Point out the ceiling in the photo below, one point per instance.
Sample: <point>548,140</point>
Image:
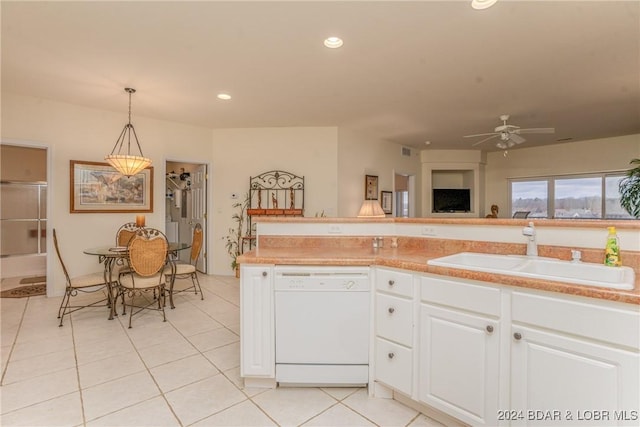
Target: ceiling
<point>408,72</point>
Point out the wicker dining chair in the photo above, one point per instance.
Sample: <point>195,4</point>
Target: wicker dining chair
<point>147,254</point>
<point>182,270</point>
<point>80,285</point>
<point>125,233</point>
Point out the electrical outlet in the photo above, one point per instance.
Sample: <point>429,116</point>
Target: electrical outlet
<point>428,231</point>
<point>335,229</point>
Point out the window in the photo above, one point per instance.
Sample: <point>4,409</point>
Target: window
<point>592,196</point>
<point>530,196</point>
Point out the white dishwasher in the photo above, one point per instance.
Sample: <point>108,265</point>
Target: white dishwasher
<point>322,325</point>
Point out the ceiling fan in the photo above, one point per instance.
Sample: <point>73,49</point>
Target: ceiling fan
<point>509,134</point>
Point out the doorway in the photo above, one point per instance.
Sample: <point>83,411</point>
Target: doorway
<point>23,214</point>
<point>186,206</point>
<point>404,189</point>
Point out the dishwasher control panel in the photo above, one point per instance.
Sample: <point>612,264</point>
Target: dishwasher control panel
<point>291,278</point>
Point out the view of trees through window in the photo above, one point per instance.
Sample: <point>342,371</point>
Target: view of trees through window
<point>569,197</point>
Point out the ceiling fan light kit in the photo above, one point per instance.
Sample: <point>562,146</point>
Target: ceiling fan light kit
<point>509,134</point>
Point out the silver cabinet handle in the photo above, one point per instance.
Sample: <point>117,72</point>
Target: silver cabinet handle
<point>392,282</point>
<point>391,310</point>
<point>391,355</point>
<point>517,336</point>
<point>489,328</point>
<point>264,274</point>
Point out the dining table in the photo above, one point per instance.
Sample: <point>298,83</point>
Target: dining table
<point>109,255</point>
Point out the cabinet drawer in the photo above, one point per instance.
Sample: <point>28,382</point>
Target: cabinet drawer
<point>394,365</point>
<point>617,325</point>
<point>394,282</point>
<point>461,295</point>
<point>394,319</point>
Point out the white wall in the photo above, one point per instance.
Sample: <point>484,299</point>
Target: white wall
<point>79,133</point>
<point>597,155</point>
<point>359,155</point>
<point>238,154</point>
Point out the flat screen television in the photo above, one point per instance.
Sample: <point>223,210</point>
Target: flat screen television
<point>451,200</point>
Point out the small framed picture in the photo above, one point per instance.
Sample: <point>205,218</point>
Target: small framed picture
<point>370,187</point>
<point>387,201</point>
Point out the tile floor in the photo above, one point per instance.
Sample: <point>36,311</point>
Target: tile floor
<point>185,372</point>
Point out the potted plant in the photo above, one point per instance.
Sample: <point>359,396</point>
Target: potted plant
<point>630,190</point>
<point>234,238</point>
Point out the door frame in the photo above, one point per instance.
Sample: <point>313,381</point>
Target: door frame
<point>207,235</point>
<point>50,191</point>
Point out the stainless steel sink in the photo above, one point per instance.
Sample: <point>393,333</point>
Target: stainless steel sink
<point>580,273</point>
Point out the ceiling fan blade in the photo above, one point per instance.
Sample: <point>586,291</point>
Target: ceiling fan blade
<point>481,134</point>
<point>535,130</point>
<point>483,140</point>
<point>516,138</point>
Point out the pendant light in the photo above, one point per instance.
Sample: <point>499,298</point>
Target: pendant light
<point>127,164</point>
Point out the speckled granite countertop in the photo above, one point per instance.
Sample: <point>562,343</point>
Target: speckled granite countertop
<point>415,259</point>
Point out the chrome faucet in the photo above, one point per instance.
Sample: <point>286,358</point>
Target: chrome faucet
<point>532,246</point>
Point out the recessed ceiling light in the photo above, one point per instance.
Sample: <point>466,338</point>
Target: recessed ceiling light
<point>224,96</point>
<point>333,42</point>
<point>482,4</point>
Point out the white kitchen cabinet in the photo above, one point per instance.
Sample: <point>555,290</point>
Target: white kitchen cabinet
<point>573,362</point>
<point>460,349</point>
<point>257,330</point>
<point>394,316</point>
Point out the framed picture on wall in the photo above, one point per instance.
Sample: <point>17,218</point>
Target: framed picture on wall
<point>386,198</point>
<point>98,188</point>
<point>370,187</point>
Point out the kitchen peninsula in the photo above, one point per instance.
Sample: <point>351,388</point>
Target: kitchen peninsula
<point>509,340</point>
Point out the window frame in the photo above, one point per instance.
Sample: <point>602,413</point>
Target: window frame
<point>551,181</point>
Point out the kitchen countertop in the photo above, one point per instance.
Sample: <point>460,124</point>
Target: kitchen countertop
<point>414,259</point>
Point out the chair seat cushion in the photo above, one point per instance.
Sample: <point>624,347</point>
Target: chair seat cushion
<point>181,268</point>
<point>136,281</point>
<point>91,279</point>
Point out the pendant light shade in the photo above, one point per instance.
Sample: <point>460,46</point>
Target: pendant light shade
<point>126,163</point>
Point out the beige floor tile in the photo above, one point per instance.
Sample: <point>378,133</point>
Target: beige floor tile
<point>233,375</point>
<point>244,414</point>
<point>60,411</point>
<point>26,350</point>
<point>190,320</point>
<point>36,366</point>
<point>383,412</point>
<point>293,406</point>
<point>22,394</point>
<point>109,369</point>
<point>165,352</point>
<point>204,398</point>
<point>115,395</point>
<point>94,351</point>
<point>154,412</point>
<point>424,421</point>
<point>213,339</point>
<point>225,357</point>
<point>179,373</point>
<point>339,415</point>
<point>340,393</point>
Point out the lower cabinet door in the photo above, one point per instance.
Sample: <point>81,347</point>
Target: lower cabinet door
<point>558,379</point>
<point>459,364</point>
<point>394,364</point>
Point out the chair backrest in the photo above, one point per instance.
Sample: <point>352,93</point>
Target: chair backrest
<point>125,233</point>
<point>64,268</point>
<point>521,214</point>
<point>147,251</point>
<point>196,243</point>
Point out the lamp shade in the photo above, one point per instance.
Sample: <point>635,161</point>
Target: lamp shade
<point>128,165</point>
<point>371,209</point>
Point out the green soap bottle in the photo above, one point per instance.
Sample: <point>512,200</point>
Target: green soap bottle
<point>612,249</point>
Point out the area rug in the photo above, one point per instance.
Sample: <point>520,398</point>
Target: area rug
<point>25,291</point>
<point>36,279</point>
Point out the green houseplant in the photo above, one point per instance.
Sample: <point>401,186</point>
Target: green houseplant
<point>234,238</point>
<point>630,190</point>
